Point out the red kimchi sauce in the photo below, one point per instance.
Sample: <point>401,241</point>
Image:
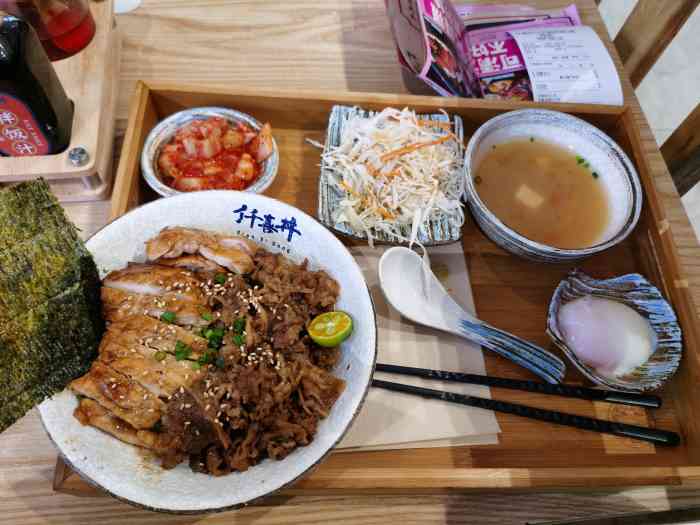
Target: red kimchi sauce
<point>214,153</point>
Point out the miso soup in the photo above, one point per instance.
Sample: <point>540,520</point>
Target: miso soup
<point>544,192</point>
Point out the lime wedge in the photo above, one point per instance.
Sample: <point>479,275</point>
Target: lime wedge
<point>330,329</point>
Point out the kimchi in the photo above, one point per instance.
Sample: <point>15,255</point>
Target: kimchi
<point>214,153</point>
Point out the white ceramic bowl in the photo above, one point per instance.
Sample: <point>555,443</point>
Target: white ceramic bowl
<point>617,174</point>
<point>161,134</point>
<point>121,469</point>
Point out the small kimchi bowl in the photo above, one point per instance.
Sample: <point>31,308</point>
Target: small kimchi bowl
<point>618,175</point>
<point>166,129</point>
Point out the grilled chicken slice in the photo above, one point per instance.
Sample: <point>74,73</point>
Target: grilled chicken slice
<point>154,279</point>
<point>144,330</point>
<point>118,305</point>
<point>122,396</point>
<point>161,377</point>
<point>91,413</point>
<point>234,253</point>
<point>194,263</point>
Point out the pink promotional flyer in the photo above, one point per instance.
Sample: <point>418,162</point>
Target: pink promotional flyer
<point>478,51</point>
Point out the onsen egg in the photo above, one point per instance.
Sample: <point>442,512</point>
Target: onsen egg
<point>606,335</point>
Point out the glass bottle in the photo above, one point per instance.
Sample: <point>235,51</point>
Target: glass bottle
<point>36,116</point>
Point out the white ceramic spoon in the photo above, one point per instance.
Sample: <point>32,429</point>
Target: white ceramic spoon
<point>418,295</point>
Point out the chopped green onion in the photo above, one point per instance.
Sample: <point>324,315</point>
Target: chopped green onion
<point>182,351</point>
<point>196,366</point>
<point>586,165</point>
<point>238,340</point>
<point>207,316</point>
<point>532,139</point>
<point>595,175</point>
<point>220,362</point>
<point>215,343</point>
<point>158,427</point>
<point>239,325</point>
<point>208,333</point>
<point>167,317</point>
<point>220,278</point>
<point>580,160</point>
<point>159,356</point>
<point>218,332</point>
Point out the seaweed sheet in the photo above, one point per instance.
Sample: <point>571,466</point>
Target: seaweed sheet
<point>50,319</point>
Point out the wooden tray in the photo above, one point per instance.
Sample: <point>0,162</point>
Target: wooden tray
<point>509,292</point>
<point>89,79</point>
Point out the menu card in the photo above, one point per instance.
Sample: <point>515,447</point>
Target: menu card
<point>392,420</point>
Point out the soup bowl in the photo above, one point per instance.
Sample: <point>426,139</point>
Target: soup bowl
<point>616,173</point>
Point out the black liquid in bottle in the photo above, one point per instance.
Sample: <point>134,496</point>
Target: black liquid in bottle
<point>35,114</point>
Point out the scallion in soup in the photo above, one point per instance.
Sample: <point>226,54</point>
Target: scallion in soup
<point>544,192</point>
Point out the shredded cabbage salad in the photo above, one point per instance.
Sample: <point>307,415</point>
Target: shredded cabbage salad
<point>396,170</point>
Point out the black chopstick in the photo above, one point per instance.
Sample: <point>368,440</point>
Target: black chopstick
<point>578,392</point>
<point>651,435</point>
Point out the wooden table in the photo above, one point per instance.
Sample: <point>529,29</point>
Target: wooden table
<point>321,44</point>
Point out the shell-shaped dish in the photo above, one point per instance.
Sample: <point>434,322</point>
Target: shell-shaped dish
<point>636,292</point>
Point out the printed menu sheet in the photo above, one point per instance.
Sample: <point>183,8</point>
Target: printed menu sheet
<point>569,64</point>
<point>391,420</point>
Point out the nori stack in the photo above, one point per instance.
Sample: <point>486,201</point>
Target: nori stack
<point>50,313</point>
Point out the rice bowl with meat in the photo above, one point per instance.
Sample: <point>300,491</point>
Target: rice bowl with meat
<point>193,398</point>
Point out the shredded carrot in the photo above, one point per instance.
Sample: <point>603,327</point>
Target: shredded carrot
<point>372,170</point>
<point>386,214</point>
<point>432,124</point>
<point>347,188</point>
<point>413,147</point>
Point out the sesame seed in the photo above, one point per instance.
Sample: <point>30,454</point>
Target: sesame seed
<point>151,409</point>
<point>188,405</point>
<point>188,423</point>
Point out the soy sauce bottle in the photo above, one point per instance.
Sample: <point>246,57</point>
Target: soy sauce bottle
<point>36,116</point>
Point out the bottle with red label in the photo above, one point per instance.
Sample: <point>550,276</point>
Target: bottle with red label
<point>36,116</point>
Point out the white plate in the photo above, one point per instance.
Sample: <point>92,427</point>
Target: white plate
<point>121,469</point>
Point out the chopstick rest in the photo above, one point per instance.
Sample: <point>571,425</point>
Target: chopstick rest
<point>651,435</point>
<point>576,392</point>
